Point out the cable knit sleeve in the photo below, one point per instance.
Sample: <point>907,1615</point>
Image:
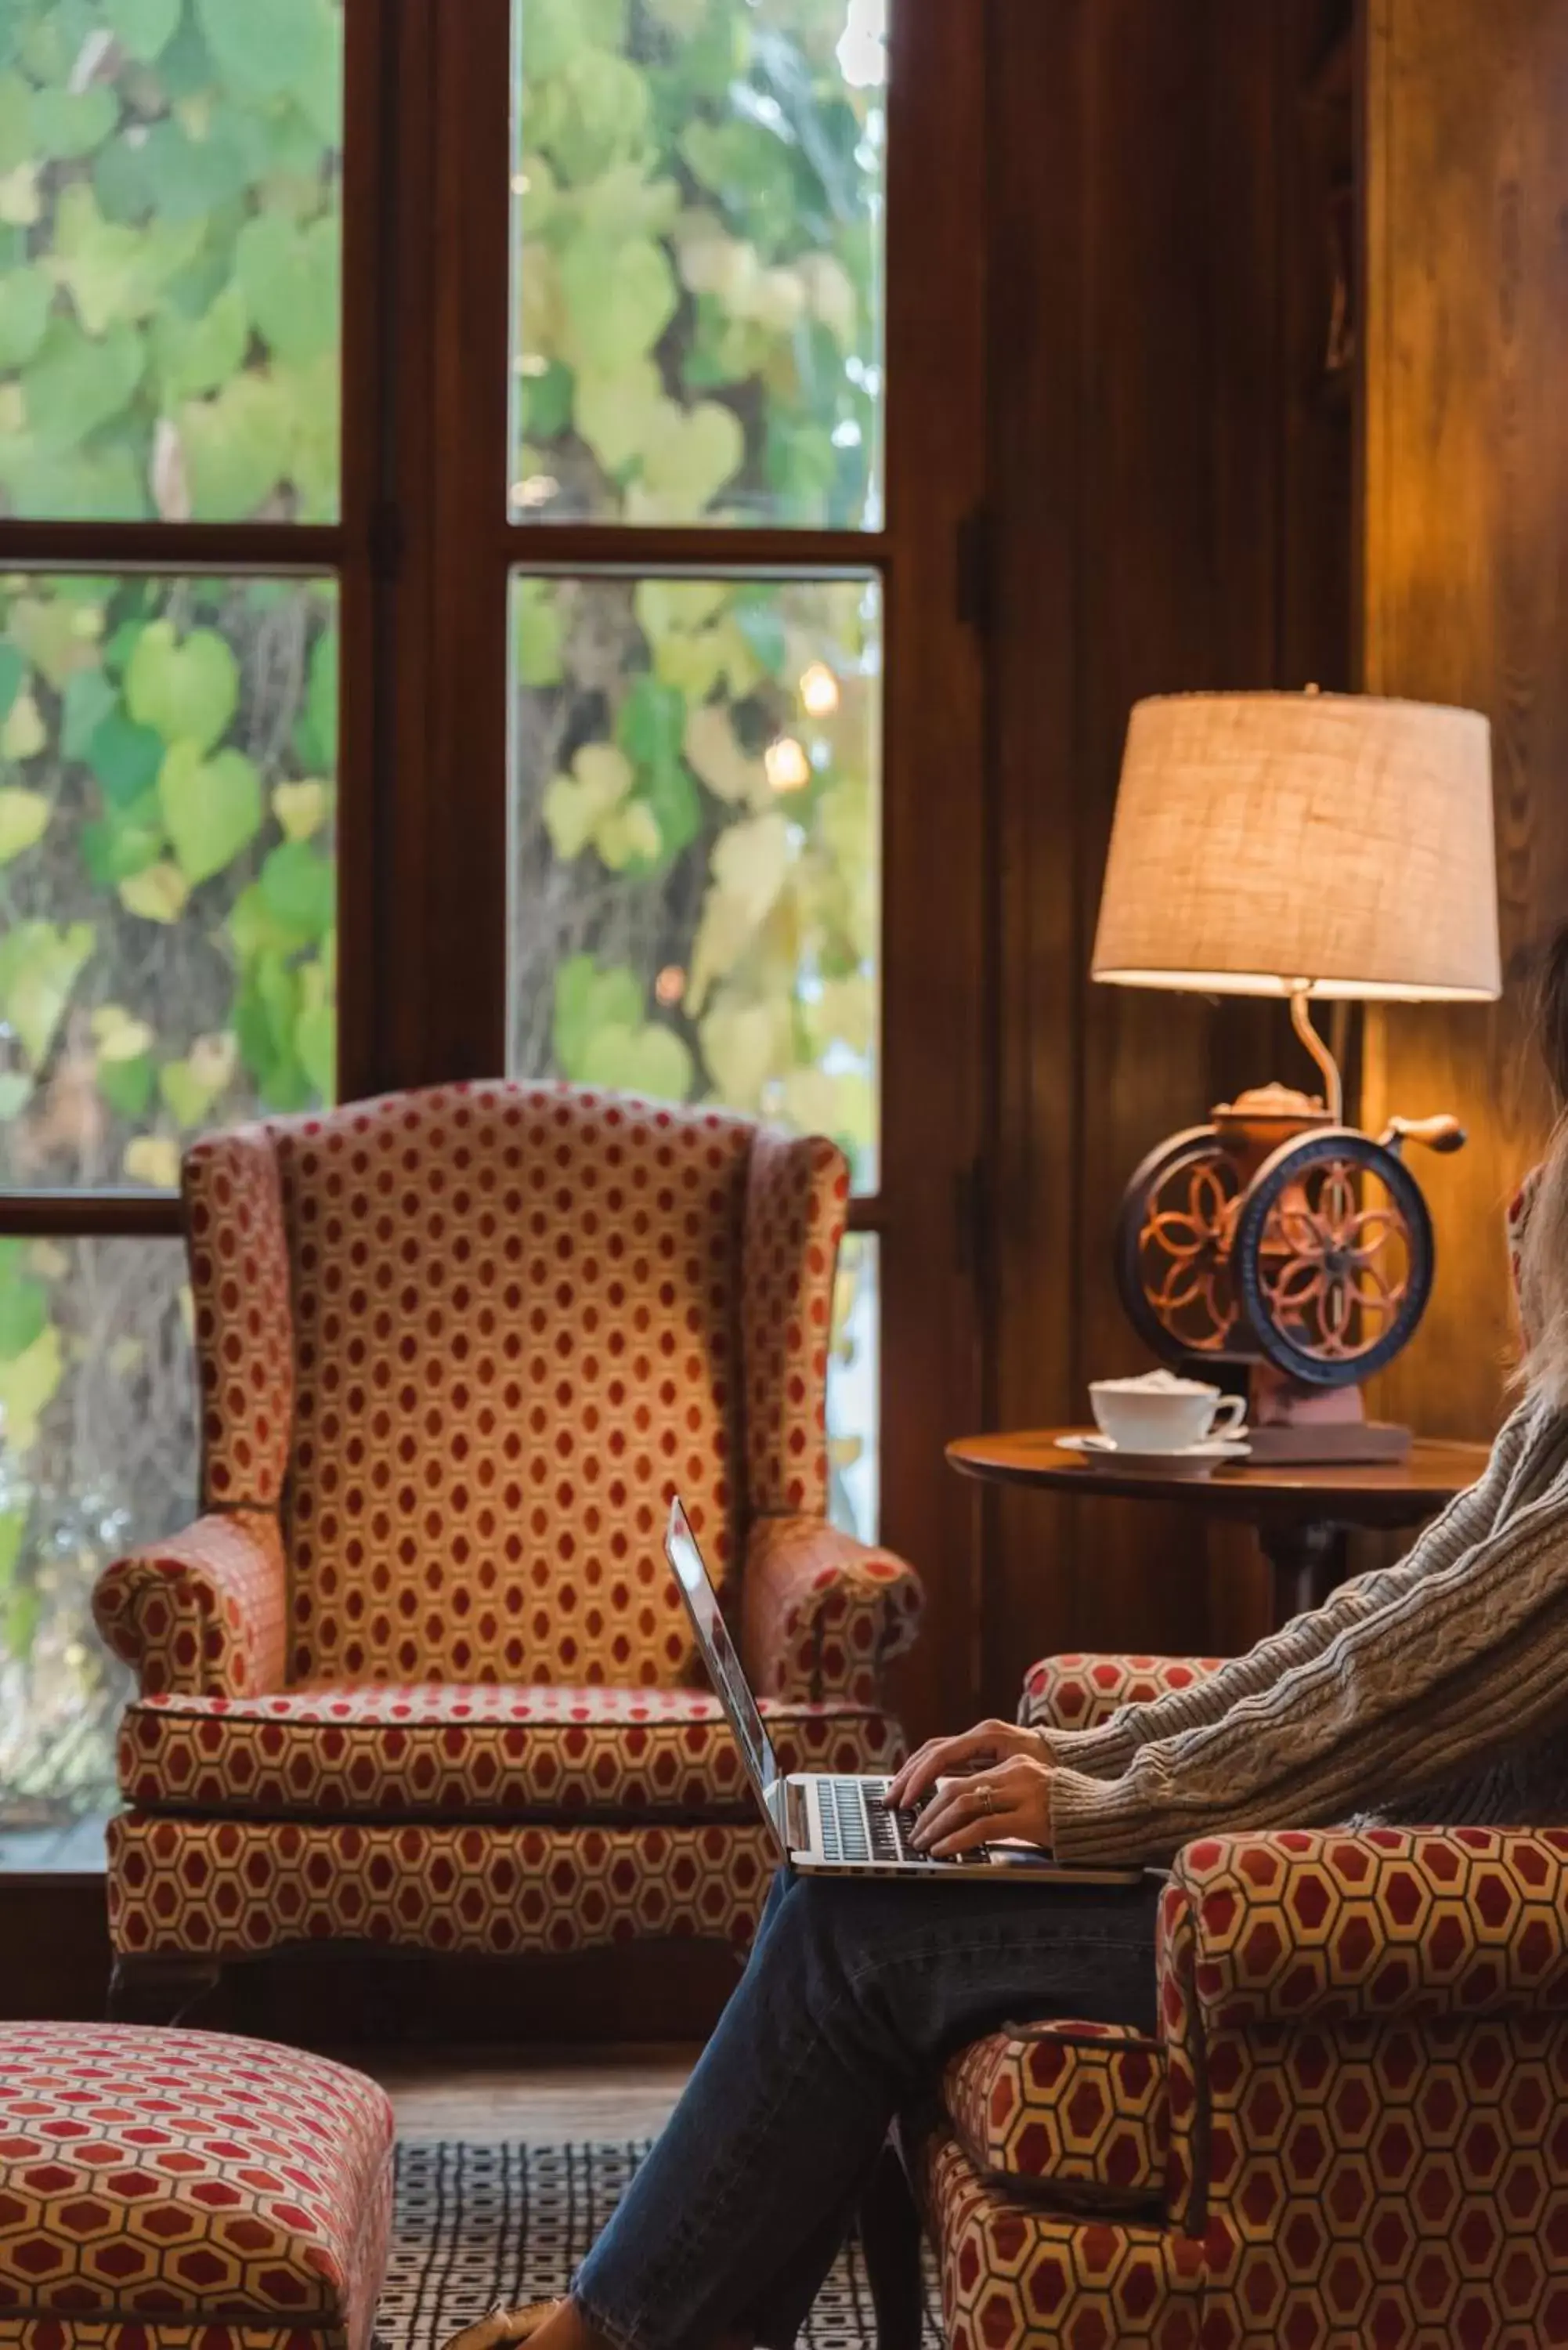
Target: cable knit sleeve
<point>1109,1750</point>
<point>1435,1666</point>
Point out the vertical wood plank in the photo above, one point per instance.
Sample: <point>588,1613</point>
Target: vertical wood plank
<point>1465,557</point>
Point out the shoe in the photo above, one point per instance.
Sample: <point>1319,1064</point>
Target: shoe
<point>503,2326</point>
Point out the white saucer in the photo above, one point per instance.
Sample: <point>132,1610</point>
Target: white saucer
<point>1190,1460</point>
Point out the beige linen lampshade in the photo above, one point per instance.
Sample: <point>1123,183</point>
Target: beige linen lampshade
<point>1265,840</point>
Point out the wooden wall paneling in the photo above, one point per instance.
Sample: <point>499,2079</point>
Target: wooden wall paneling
<point>1165,521</point>
<point>1465,585</point>
<point>1038,431</point>
<point>934,946</point>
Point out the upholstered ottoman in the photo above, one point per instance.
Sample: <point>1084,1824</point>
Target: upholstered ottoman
<point>183,2190</point>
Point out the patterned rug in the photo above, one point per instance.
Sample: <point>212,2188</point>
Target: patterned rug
<point>476,2223</point>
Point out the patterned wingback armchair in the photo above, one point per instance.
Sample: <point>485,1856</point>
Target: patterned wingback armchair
<point>419,1674</point>
<point>1351,2125</point>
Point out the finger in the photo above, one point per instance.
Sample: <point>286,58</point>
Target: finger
<point>944,1812</point>
<point>899,1784</point>
<point>940,1756</point>
<point>985,1829</point>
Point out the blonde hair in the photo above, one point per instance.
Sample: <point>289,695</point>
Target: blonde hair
<point>1543,1277</point>
<point>1543,1242</point>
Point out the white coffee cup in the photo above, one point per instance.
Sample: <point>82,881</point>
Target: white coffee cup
<point>1161,1413</point>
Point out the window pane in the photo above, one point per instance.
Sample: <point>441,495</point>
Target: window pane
<point>167,869</point>
<point>697,844</point>
<point>697,223</point>
<point>170,258</point>
<point>98,1450</point>
<point>854,1392</point>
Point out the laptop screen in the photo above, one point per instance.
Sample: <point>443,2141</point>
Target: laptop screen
<point>718,1649</point>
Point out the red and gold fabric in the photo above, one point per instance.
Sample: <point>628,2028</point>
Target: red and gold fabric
<point>230,1888</point>
<point>175,2186</point>
<point>1015,2277</point>
<point>491,1751</point>
<point>1076,2112</point>
<point>458,1351</point>
<point>203,1612</point>
<point>1366,2063</point>
<point>1079,1693</point>
<point>822,1614</point>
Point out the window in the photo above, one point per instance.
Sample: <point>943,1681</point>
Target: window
<point>599,704</point>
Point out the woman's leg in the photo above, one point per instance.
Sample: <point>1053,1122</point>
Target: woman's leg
<point>856,1992</point>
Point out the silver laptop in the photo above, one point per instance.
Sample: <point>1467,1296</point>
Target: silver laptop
<point>823,1824</point>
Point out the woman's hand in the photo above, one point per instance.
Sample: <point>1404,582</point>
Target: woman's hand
<point>941,1758</point>
<point>1012,1799</point>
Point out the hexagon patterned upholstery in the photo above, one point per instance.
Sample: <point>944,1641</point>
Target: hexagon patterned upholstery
<point>1354,2128</point>
<point>457,1351</point>
<point>168,2191</point>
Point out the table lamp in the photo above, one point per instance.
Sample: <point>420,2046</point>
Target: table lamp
<point>1305,845</point>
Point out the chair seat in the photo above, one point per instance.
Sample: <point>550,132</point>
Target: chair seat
<point>1077,2114</point>
<point>182,2177</point>
<point>473,1751</point>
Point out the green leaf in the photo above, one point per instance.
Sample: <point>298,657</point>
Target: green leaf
<point>538,634</point>
<point>24,1311</point>
<point>88,699</point>
<point>39,966</point>
<point>645,1060</point>
<point>189,178</point>
<point>261,51</point>
<point>142,27</point>
<point>549,402</point>
<point>24,298</point>
<point>299,889</point>
<point>315,735</point>
<point>292,280</point>
<point>24,819</point>
<point>125,758</point>
<point>13,670</point>
<point>15,122</point>
<point>212,807</point>
<point>114,274</point>
<point>69,123</point>
<point>187,692</point>
<point>587,999</point>
<point>236,449</point>
<point>28,1386</point>
<point>77,381</point>
<point>316,1043</point>
<point>196,355</point>
<point>620,299</point>
<point>13,1524</point>
<point>761,624</point>
<point>127,1086</point>
<point>652,723</point>
<point>116,847</point>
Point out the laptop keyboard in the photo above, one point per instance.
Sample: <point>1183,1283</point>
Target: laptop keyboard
<point>858,1824</point>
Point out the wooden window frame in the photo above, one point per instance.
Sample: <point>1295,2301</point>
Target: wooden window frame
<point>423,552</point>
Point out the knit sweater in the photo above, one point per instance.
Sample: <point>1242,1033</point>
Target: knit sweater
<point>1433,1692</point>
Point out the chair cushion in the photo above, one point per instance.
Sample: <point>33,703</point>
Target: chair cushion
<point>1079,2113</point>
<point>476,1751</point>
<point>189,2176</point>
<point>517,1328</point>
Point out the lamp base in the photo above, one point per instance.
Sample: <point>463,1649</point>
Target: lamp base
<point>1364,1441</point>
<point>1316,1427</point>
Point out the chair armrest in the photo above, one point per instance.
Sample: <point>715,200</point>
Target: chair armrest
<point>1077,2113</point>
<point>201,1614</point>
<point>1079,1693</point>
<point>1331,1926</point>
<point>821,1614</point>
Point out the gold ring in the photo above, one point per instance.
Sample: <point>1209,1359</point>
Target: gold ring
<point>986,1796</point>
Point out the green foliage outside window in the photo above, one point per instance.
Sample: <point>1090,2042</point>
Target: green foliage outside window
<point>170,258</point>
<point>698,262</point>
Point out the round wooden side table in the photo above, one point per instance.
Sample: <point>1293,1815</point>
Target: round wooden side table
<point>1303,1515</point>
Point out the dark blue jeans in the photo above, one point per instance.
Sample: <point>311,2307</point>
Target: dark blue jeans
<point>855,1992</point>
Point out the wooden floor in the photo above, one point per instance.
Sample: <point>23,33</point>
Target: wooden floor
<point>606,2093</point>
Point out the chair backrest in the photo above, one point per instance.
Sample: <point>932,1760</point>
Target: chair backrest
<point>514,1325</point>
